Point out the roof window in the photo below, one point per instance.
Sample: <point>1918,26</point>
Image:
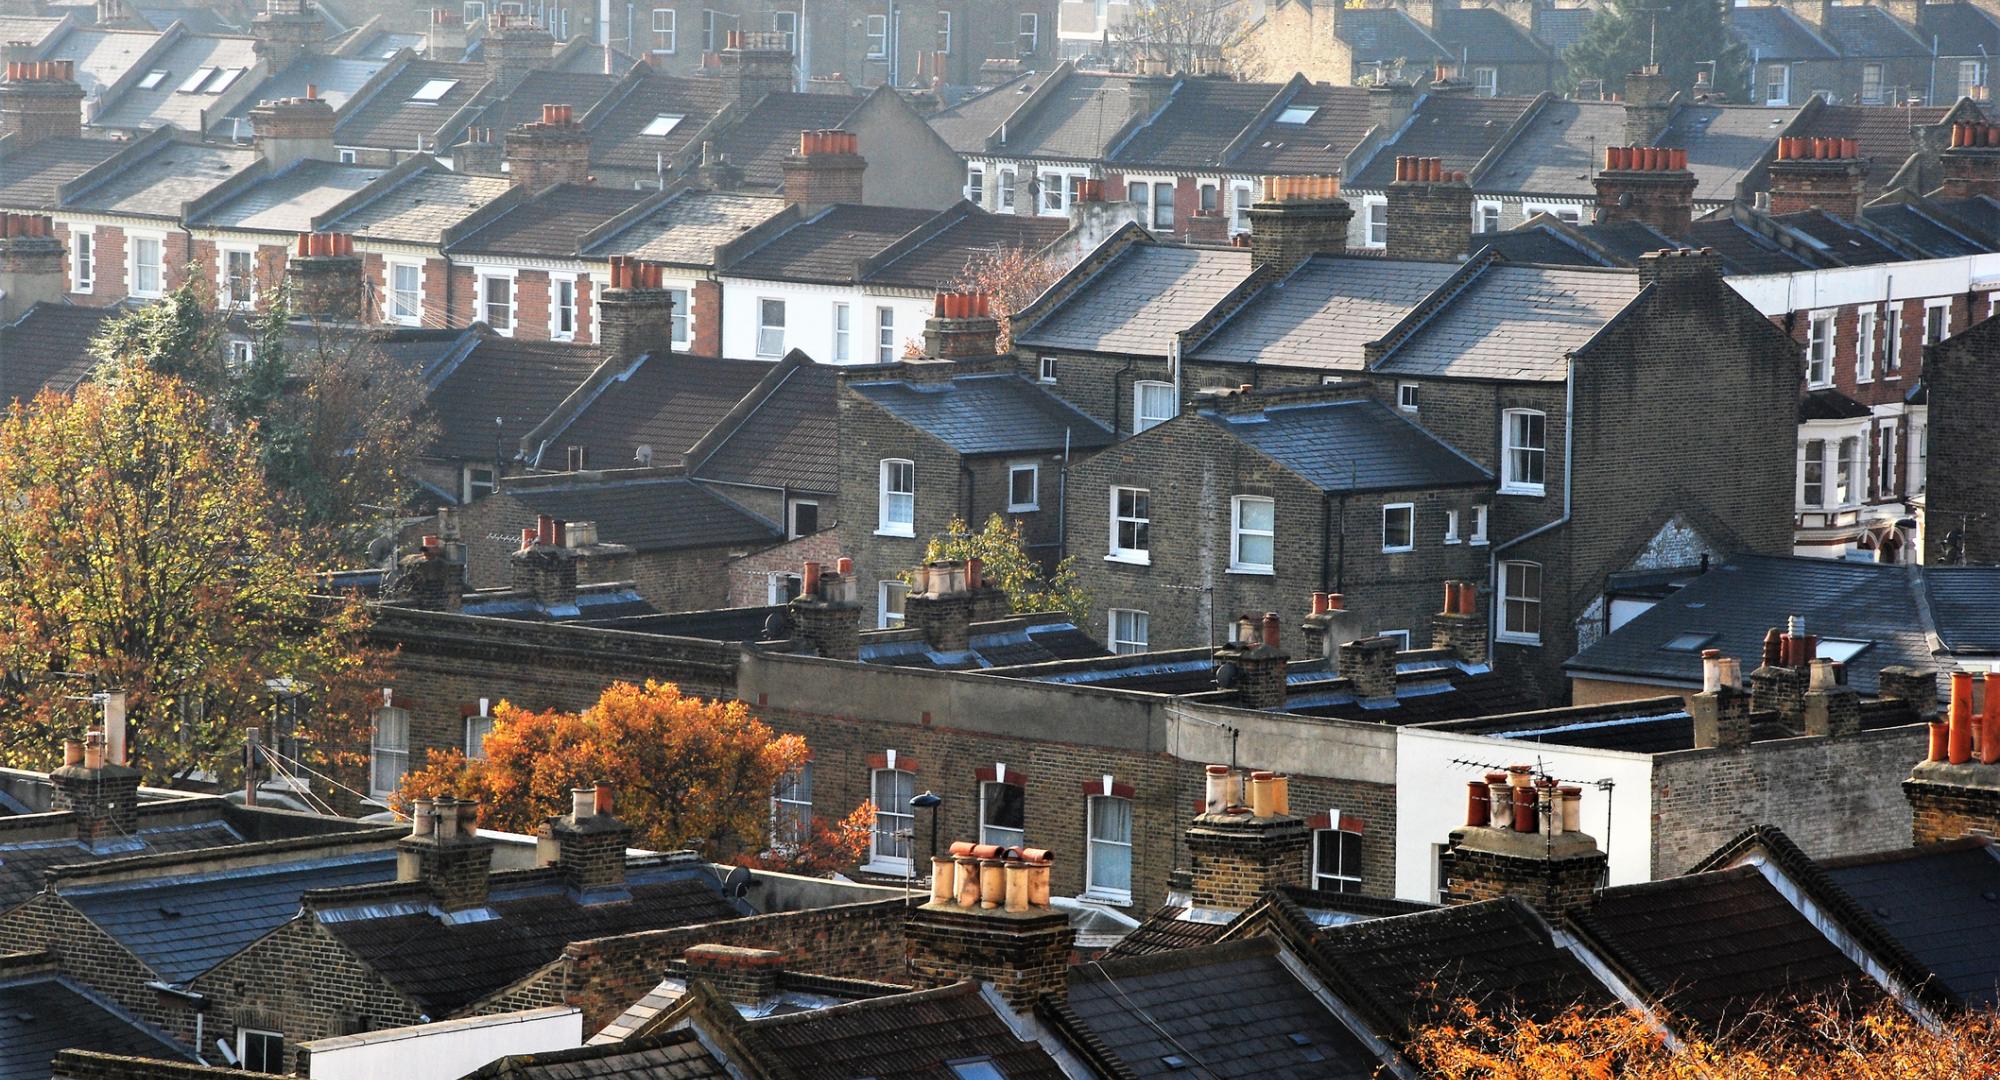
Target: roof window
<point>1841,650</point>
<point>1692,641</point>
<point>662,124</point>
<point>1298,114</point>
<point>153,78</point>
<point>224,79</point>
<point>434,90</point>
<point>193,83</point>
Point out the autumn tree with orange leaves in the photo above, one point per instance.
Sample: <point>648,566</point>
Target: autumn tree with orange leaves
<point>689,773</point>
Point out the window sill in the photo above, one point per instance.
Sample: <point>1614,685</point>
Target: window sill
<point>1477,541</point>
<point>1452,540</point>
<point>1129,559</point>
<point>1519,639</point>
<point>1533,491</point>
<point>1254,571</point>
<point>1105,897</point>
<point>1028,509</point>
<point>891,869</point>
<point>897,533</point>
<point>1404,548</point>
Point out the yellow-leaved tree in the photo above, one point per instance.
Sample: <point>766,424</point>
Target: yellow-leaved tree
<point>1003,547</point>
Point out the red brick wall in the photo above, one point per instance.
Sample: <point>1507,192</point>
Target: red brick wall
<point>707,305</point>
<point>749,577</point>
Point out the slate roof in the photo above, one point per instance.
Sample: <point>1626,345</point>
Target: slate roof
<point>1351,446</point>
<point>419,207</point>
<point>788,438</point>
<point>1725,144</point>
<point>1483,35</point>
<point>389,119</point>
<point>552,224</point>
<point>1717,946</point>
<point>334,78</point>
<point>1323,313</point>
<point>944,256</point>
<point>759,141</point>
<point>1961,28</point>
<point>1772,33</point>
<point>1931,900</point>
<point>179,927</point>
<point>1514,323</point>
<point>43,1015</point>
<point>22,864</point>
<point>666,401</point>
<point>618,118</point>
<point>1404,968</point>
<point>828,247</point>
<point>1016,640</point>
<point>1543,245</point>
<point>687,229</point>
<point>987,414</point>
<point>1746,251</point>
<point>1080,118</point>
<point>1386,35</point>
<point>29,176</point>
<point>1200,120</point>
<point>1887,136</point>
<point>1965,607</point>
<point>1918,231</point>
<point>49,346</point>
<point>1863,30</point>
<point>1227,1010</point>
<point>1139,300</point>
<point>162,183</point>
<point>516,382</point>
<point>289,201</point>
<point>900,1037</point>
<point>676,1055</point>
<point>1738,601</point>
<point>1559,28</point>
<point>1560,149</point>
<point>1426,692</point>
<point>1828,403</point>
<point>523,103</point>
<point>444,967</point>
<point>1458,128</point>
<point>649,514</point>
<point>1167,930</point>
<point>102,56</point>
<point>165,103</point>
<point>29,28</point>
<point>1317,146</point>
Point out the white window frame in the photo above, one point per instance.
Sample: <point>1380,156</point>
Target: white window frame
<point>1374,221</point>
<point>1338,878</point>
<point>1892,341</point>
<point>384,756</point>
<point>1002,835</point>
<point>792,531</point>
<point>1850,469</point>
<point>1510,483</point>
<point>1486,81</point>
<point>885,523</point>
<point>944,32</point>
<point>467,483</point>
<point>1143,420</point>
<point>1480,211</point>
<point>243,1036</point>
<point>1046,369</point>
<point>485,300</point>
<point>1058,188</point>
<point>1028,28</point>
<point>1479,515</point>
<point>1819,349</point>
<point>786,25</point>
<point>1503,597</point>
<point>1006,179</point>
<point>885,334</point>
<point>791,800</point>
<point>1812,455</point>
<point>82,259</point>
<point>680,324</point>
<point>1400,637</point>
<point>1092,890</point>
<point>1866,325</point>
<point>1451,527</point>
<point>1409,513</point>
<point>1971,74</point>
<point>1034,471</point>
<point>886,619</point>
<point>975,184</point>
<point>843,333</point>
<point>242,352</point>
<point>1238,532</point>
<point>1876,73</point>
<point>1943,321</point>
<point>765,327</point>
<point>559,306</point>
<point>133,265</point>
<point>1241,194</point>
<point>1128,630</point>
<point>878,37</point>
<point>1783,84</point>
<point>1886,463</point>
<point>410,313</point>
<point>1145,191</point>
<point>879,861</point>
<point>478,727</point>
<point>224,278</point>
<point>668,33</point>
<point>1407,396</point>
<point>1142,527</point>
<point>348,155</point>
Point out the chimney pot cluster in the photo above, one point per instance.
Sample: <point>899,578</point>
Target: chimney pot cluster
<point>1518,801</point>
<point>41,71</point>
<point>1969,136</point>
<point>630,273</point>
<point>1817,148</point>
<point>1301,188</point>
<point>1090,191</point>
<point>28,225</point>
<point>1792,648</point>
<point>989,876</point>
<point>1645,159</point>
<point>1423,170</point>
<point>1461,598</point>
<point>963,305</point>
<point>324,244</point>
<point>1966,730</point>
<point>828,141</point>
<point>1719,671</point>
<point>556,116</point>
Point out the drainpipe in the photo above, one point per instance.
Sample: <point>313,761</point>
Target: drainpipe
<point>1569,470</point>
<point>1930,95</point>
<point>971,483</point>
<point>1062,504</point>
<point>1118,386</point>
<point>1325,528</point>
<point>1340,568</point>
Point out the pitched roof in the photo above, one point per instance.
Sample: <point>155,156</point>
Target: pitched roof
<point>780,435</point>
<point>419,207</point>
<point>1716,946</point>
<point>939,257</point>
<point>1459,128</point>
<point>1558,152</point>
<point>1427,691</point>
<point>675,1055</point>
<point>289,201</point>
<point>181,926</point>
<point>1964,25</point>
<point>1725,144</point>
<point>42,1015</point>
<point>1224,1010</point>
<point>391,118</point>
<point>1201,119</point>
<point>1006,642</point>
<point>516,383</point>
<point>1078,118</point>
<point>650,513</point>
<point>102,56</point>
<point>1351,446</point>
<point>1965,607</point>
<point>986,414</point>
<point>1887,135</point>
<point>758,141</point>
<point>1922,898</point>
<point>1323,312</point>
<point>335,78</point>
<point>1917,230</point>
<point>1318,146</point>
<point>1167,930</point>
<point>828,247</point>
<point>1483,35</point>
<point>1774,33</point>
<point>666,401</point>
<point>1139,300</point>
<point>551,224</point>
<point>1734,604</point>
<point>617,122</point>
<point>24,863</point>
<point>541,86</point>
<point>1561,27</point>
<point>30,175</point>
<point>1386,35</point>
<point>1514,323</point>
<point>688,227</point>
<point>1859,30</point>
<point>161,182</point>
<point>444,966</point>
<point>170,101</point>
<point>48,347</point>
<point>900,1037</point>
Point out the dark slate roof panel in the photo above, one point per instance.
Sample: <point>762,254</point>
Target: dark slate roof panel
<point>1540,246</point>
<point>828,248</point>
<point>182,926</point>
<point>42,1016</point>
<point>650,514</point>
<point>667,401</point>
<point>1167,930</point>
<point>1918,230</point>
<point>1964,25</point>
<point>422,206</point>
<point>1316,147</point>
<point>1231,1009</point>
<point>544,86</point>
<point>1352,446</point>
<point>1772,33</point>
<point>1746,252</point>
<point>1830,404</point>
<point>162,183</point>
<point>1448,693</point>
<point>687,229</point>
<point>1140,300</point>
<point>1559,28</point>
<point>1718,946</point>
<point>1559,150</point>
<point>1725,143</point>
<point>676,1055</point>
<point>552,224</point>
<point>1965,604</point>
<point>1515,323</point>
<point>1386,35</point>
<point>335,78</point>
<point>791,440</point>
<point>1198,123</point>
<point>945,257</point>
<point>899,1037</point>
<point>21,865</point>
<point>987,414</point>
<point>1484,35</point>
<point>1455,127</point>
<point>1738,601</point>
<point>391,119</point>
<point>759,142</point>
<point>48,348</point>
<point>617,123</point>
<point>30,176</point>
<point>517,383</point>
<point>1080,119</point>
<point>1865,30</point>
<point>1324,312</point>
<point>1838,239</point>
<point>1932,900</point>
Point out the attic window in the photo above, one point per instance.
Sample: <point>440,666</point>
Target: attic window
<point>223,80</point>
<point>153,78</point>
<point>1841,650</point>
<point>193,82</point>
<point>1298,114</point>
<point>1692,641</point>
<point>434,90</point>
<point>979,1069</point>
<point>662,124</point>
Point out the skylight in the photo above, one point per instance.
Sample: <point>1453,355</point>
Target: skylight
<point>1688,642</point>
<point>434,90</point>
<point>982,1069</point>
<point>153,78</point>
<point>1298,114</point>
<point>662,124</point>
<point>1841,650</point>
<point>193,82</point>
<point>222,81</point>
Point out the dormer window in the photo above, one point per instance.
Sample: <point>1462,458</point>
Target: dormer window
<point>434,90</point>
<point>662,124</point>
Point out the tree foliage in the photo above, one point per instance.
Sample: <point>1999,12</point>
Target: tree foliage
<point>689,772</point>
<point>136,552</point>
<point>1692,33</point>
<point>338,422</point>
<point>1003,548</point>
<point>1011,278</point>
<point>1178,37</point>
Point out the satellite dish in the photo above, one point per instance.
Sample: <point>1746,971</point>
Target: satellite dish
<point>1225,676</point>
<point>644,455</point>
<point>776,626</point>
<point>737,883</point>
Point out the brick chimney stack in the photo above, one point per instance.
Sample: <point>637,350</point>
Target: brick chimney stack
<point>479,155</point>
<point>1721,711</point>
<point>1649,184</point>
<point>755,63</point>
<point>825,618</point>
<point>448,36</point>
<point>1955,790</point>
<point>635,315</point>
<point>989,919</point>
<point>1390,105</point>
<point>962,327</point>
<point>1972,162</point>
<point>1919,688</point>
<point>100,790</point>
<point>40,99</point>
<point>1298,217</point>
<point>545,565</point>
<point>291,130</point>
<point>445,853</point>
<point>590,845</point>
<point>741,976</point>
<point>1254,663</point>
<point>1832,708</point>
<point>1825,173</point>
<point>1430,212</point>
<point>286,30</point>
<point>1369,666</point>
<point>31,264</point>
<point>1779,683</point>
<point>550,151</point>
<point>1461,625</point>
<point>1241,848</point>
<point>327,278</point>
<point>1329,622</point>
<point>717,172</point>
<point>827,169</point>
<point>948,598</point>
<point>433,578</point>
<point>1693,272</point>
<point>513,46</point>
<point>1649,104</point>
<point>1523,838</point>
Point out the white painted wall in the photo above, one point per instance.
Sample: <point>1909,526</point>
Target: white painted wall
<point>1776,294</point>
<point>1430,800</point>
<point>809,318</point>
<point>446,1050</point>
